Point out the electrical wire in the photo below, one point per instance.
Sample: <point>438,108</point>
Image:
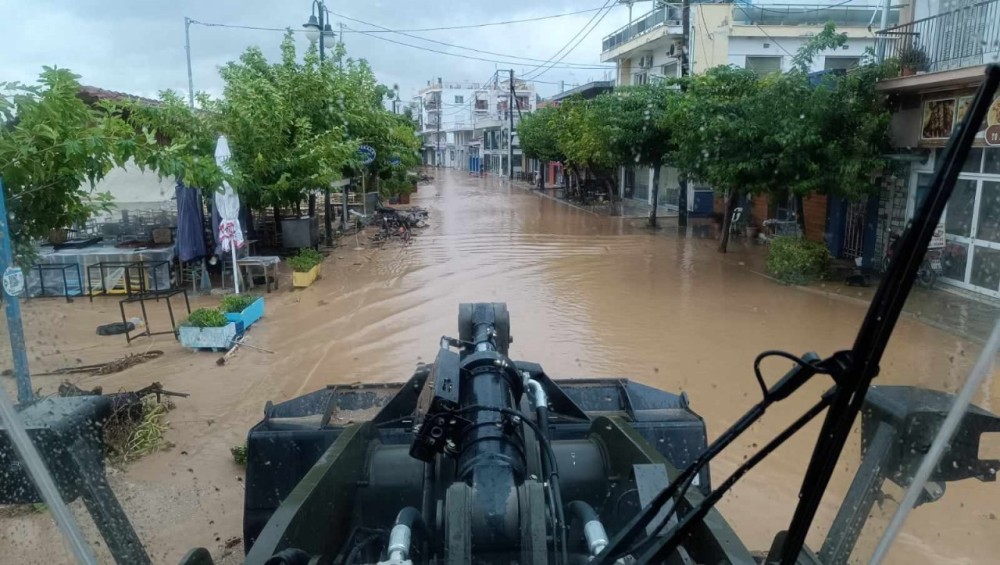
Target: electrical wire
<point>459,55</point>
<point>464,47</point>
<point>580,31</point>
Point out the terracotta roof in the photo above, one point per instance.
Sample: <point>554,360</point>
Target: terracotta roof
<point>91,94</point>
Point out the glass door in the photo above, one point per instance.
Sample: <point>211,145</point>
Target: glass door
<point>972,227</point>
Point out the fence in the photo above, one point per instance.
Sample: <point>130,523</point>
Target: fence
<point>669,14</point>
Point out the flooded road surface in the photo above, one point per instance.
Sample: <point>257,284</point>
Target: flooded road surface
<point>588,296</point>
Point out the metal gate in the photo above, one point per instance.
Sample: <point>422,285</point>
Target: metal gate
<point>854,230</point>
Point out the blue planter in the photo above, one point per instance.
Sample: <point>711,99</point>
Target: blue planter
<point>249,315</point>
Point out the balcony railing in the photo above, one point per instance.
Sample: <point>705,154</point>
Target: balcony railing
<point>668,14</point>
<point>964,37</point>
<point>804,14</point>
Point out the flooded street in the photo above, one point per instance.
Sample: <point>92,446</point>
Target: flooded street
<point>588,296</point>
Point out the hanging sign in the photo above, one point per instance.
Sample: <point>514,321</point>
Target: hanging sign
<point>394,161</point>
<point>13,281</point>
<point>367,154</point>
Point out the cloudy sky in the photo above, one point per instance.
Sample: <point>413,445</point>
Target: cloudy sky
<point>137,46</point>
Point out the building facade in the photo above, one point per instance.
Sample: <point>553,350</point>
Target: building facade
<point>445,119</point>
<point>763,37</point>
<point>942,51</point>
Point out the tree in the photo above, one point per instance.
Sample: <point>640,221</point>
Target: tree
<point>717,136</point>
<point>54,148</point>
<point>639,129</point>
<point>287,125</point>
<point>580,129</point>
<point>538,137</point>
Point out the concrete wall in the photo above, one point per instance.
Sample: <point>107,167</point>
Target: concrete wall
<point>709,36</point>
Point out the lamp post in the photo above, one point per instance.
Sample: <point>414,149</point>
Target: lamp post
<point>318,29</point>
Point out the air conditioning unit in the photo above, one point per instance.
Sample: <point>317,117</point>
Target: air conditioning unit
<point>675,49</point>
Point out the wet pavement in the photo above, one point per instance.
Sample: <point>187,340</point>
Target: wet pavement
<point>589,296</point>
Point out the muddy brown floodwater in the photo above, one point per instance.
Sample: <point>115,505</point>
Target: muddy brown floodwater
<point>588,296</point>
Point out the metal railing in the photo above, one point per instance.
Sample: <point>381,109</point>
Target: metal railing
<point>668,14</point>
<point>804,14</point>
<point>963,37</point>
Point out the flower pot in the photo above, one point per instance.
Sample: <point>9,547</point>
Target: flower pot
<point>752,232</point>
<point>249,315</point>
<point>404,198</point>
<point>207,338</point>
<point>908,72</point>
<point>305,279</point>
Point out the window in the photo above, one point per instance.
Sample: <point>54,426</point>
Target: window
<point>459,99</point>
<point>836,63</point>
<point>640,78</point>
<point>669,71</point>
<point>764,65</point>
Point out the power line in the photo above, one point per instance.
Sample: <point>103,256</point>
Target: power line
<point>507,22</point>
<point>467,26</point>
<point>438,51</point>
<point>536,67</point>
<point>383,28</point>
<point>774,40</point>
<point>538,73</point>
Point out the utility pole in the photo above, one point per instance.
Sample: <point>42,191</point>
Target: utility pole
<point>437,136</point>
<point>682,197</point>
<point>187,48</point>
<point>510,132</point>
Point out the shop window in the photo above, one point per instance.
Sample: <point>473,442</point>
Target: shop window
<point>764,65</point>
<point>958,218</point>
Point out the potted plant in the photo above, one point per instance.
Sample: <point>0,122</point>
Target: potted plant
<point>207,328</point>
<point>305,267</point>
<point>752,232</point>
<point>243,309</point>
<point>912,60</point>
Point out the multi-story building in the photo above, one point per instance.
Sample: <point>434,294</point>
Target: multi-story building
<point>942,50</point>
<point>492,113</point>
<point>760,36</point>
<point>445,119</point>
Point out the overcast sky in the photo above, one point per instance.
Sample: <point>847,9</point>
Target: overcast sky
<point>137,46</point>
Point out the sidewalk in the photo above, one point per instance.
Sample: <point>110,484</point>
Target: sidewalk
<point>945,307</point>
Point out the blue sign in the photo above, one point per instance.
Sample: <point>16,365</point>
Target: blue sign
<point>367,154</point>
<point>394,161</point>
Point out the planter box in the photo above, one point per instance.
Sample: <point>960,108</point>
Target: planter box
<point>249,315</point>
<point>305,279</point>
<point>207,338</point>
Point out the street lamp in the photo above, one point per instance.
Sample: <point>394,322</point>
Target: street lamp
<point>319,29</point>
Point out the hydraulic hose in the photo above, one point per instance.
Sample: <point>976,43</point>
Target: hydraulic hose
<point>402,532</point>
<point>593,530</point>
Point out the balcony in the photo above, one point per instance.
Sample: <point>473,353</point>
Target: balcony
<point>957,39</point>
<point>812,15</point>
<point>668,14</point>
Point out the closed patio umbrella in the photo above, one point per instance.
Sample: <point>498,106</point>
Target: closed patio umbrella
<point>228,205</point>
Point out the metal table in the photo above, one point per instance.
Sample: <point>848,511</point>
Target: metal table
<point>141,298</point>
<point>67,292</point>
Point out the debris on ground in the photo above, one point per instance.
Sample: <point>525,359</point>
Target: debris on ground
<point>110,367</point>
<point>137,423</point>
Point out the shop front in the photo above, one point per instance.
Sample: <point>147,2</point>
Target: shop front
<point>972,218</point>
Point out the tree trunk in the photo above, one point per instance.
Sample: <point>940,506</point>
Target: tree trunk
<point>656,195</point>
<point>727,219</point>
<point>277,220</point>
<point>312,204</point>
<point>298,208</point>
<point>543,167</point>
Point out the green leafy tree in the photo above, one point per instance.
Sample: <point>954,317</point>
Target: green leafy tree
<point>537,135</point>
<point>286,123</point>
<point>54,148</point>
<point>640,128</point>
<point>581,131</point>
<point>717,135</point>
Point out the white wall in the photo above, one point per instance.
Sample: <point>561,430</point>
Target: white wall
<point>741,47</point>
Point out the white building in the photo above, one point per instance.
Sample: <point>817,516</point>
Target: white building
<point>445,117</point>
<point>465,124</point>
<point>762,36</point>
